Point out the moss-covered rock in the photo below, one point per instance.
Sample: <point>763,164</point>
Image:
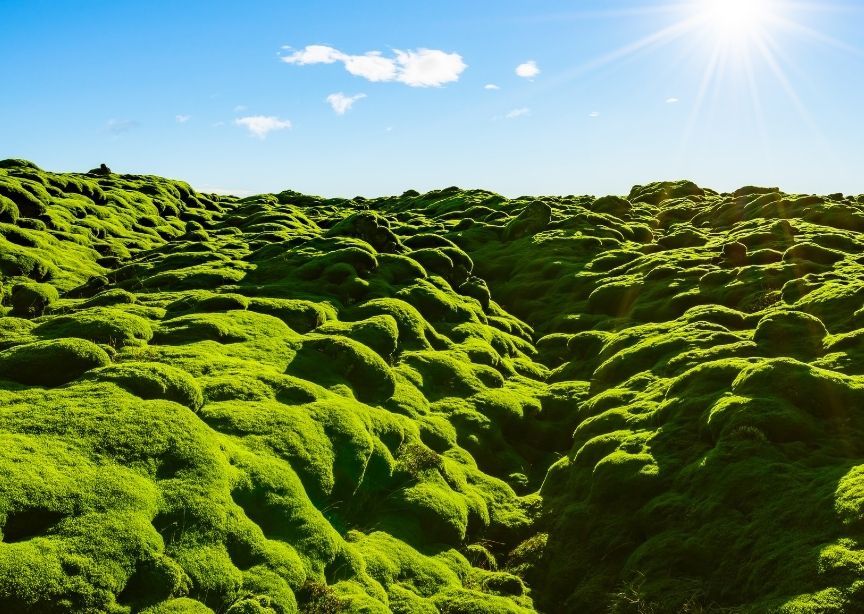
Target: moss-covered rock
<point>30,300</point>
<point>100,324</point>
<point>533,218</point>
<point>51,363</point>
<point>791,333</point>
<point>613,205</point>
<point>154,381</point>
<point>340,359</point>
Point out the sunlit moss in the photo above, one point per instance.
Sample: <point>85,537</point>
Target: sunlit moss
<point>440,402</point>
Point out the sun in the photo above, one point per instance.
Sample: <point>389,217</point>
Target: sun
<point>736,21</point>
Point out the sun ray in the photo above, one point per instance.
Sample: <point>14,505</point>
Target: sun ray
<point>756,102</point>
<point>780,74</point>
<point>659,38</point>
<point>642,11</point>
<point>815,35</point>
<point>704,86</point>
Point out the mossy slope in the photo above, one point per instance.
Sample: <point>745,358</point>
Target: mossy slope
<point>447,402</point>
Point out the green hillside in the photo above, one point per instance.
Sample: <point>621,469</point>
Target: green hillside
<point>446,402</point>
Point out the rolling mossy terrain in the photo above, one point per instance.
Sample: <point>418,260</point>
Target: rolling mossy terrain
<point>446,402</point>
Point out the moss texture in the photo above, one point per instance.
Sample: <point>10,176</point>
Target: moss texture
<point>442,402</point>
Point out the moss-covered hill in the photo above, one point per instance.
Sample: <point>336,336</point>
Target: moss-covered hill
<point>445,402</point>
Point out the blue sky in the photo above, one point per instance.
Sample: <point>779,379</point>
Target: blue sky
<point>229,96</point>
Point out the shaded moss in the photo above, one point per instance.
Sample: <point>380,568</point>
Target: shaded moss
<point>31,300</point>
<point>791,333</point>
<point>335,359</point>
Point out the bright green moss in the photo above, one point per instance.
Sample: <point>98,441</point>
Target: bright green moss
<point>205,327</point>
<point>380,333</point>
<point>414,333</point>
<point>812,253</point>
<point>30,198</point>
<point>182,605</point>
<point>8,210</point>
<point>441,374</point>
<point>154,381</point>
<point>51,363</point>
<point>201,276</point>
<point>438,302</point>
<point>302,316</point>
<point>99,324</point>
<point>116,296</point>
<point>331,360</point>
<point>351,405</point>
<point>433,261</point>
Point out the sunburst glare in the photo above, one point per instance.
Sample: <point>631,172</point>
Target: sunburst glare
<point>736,21</point>
<point>737,40</point>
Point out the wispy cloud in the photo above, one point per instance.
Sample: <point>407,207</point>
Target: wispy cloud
<point>261,125</point>
<point>528,70</point>
<point>672,100</point>
<point>182,119</point>
<point>342,103</point>
<point>119,126</point>
<point>240,108</point>
<point>416,68</point>
<point>594,114</point>
<point>515,113</point>
<point>491,86</point>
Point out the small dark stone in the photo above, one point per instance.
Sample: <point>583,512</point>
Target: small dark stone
<point>102,171</point>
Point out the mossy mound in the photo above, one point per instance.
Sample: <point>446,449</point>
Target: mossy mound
<point>791,333</point>
<point>340,359</point>
<point>154,381</point>
<point>51,363</point>
<point>101,325</point>
<point>31,299</point>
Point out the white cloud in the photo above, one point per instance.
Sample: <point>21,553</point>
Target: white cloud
<point>416,68</point>
<point>594,114</point>
<point>182,119</point>
<point>528,70</point>
<point>672,100</point>
<point>518,113</point>
<point>428,67</point>
<point>491,86</point>
<point>342,103</point>
<point>260,125</point>
<point>371,66</point>
<point>315,54</point>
